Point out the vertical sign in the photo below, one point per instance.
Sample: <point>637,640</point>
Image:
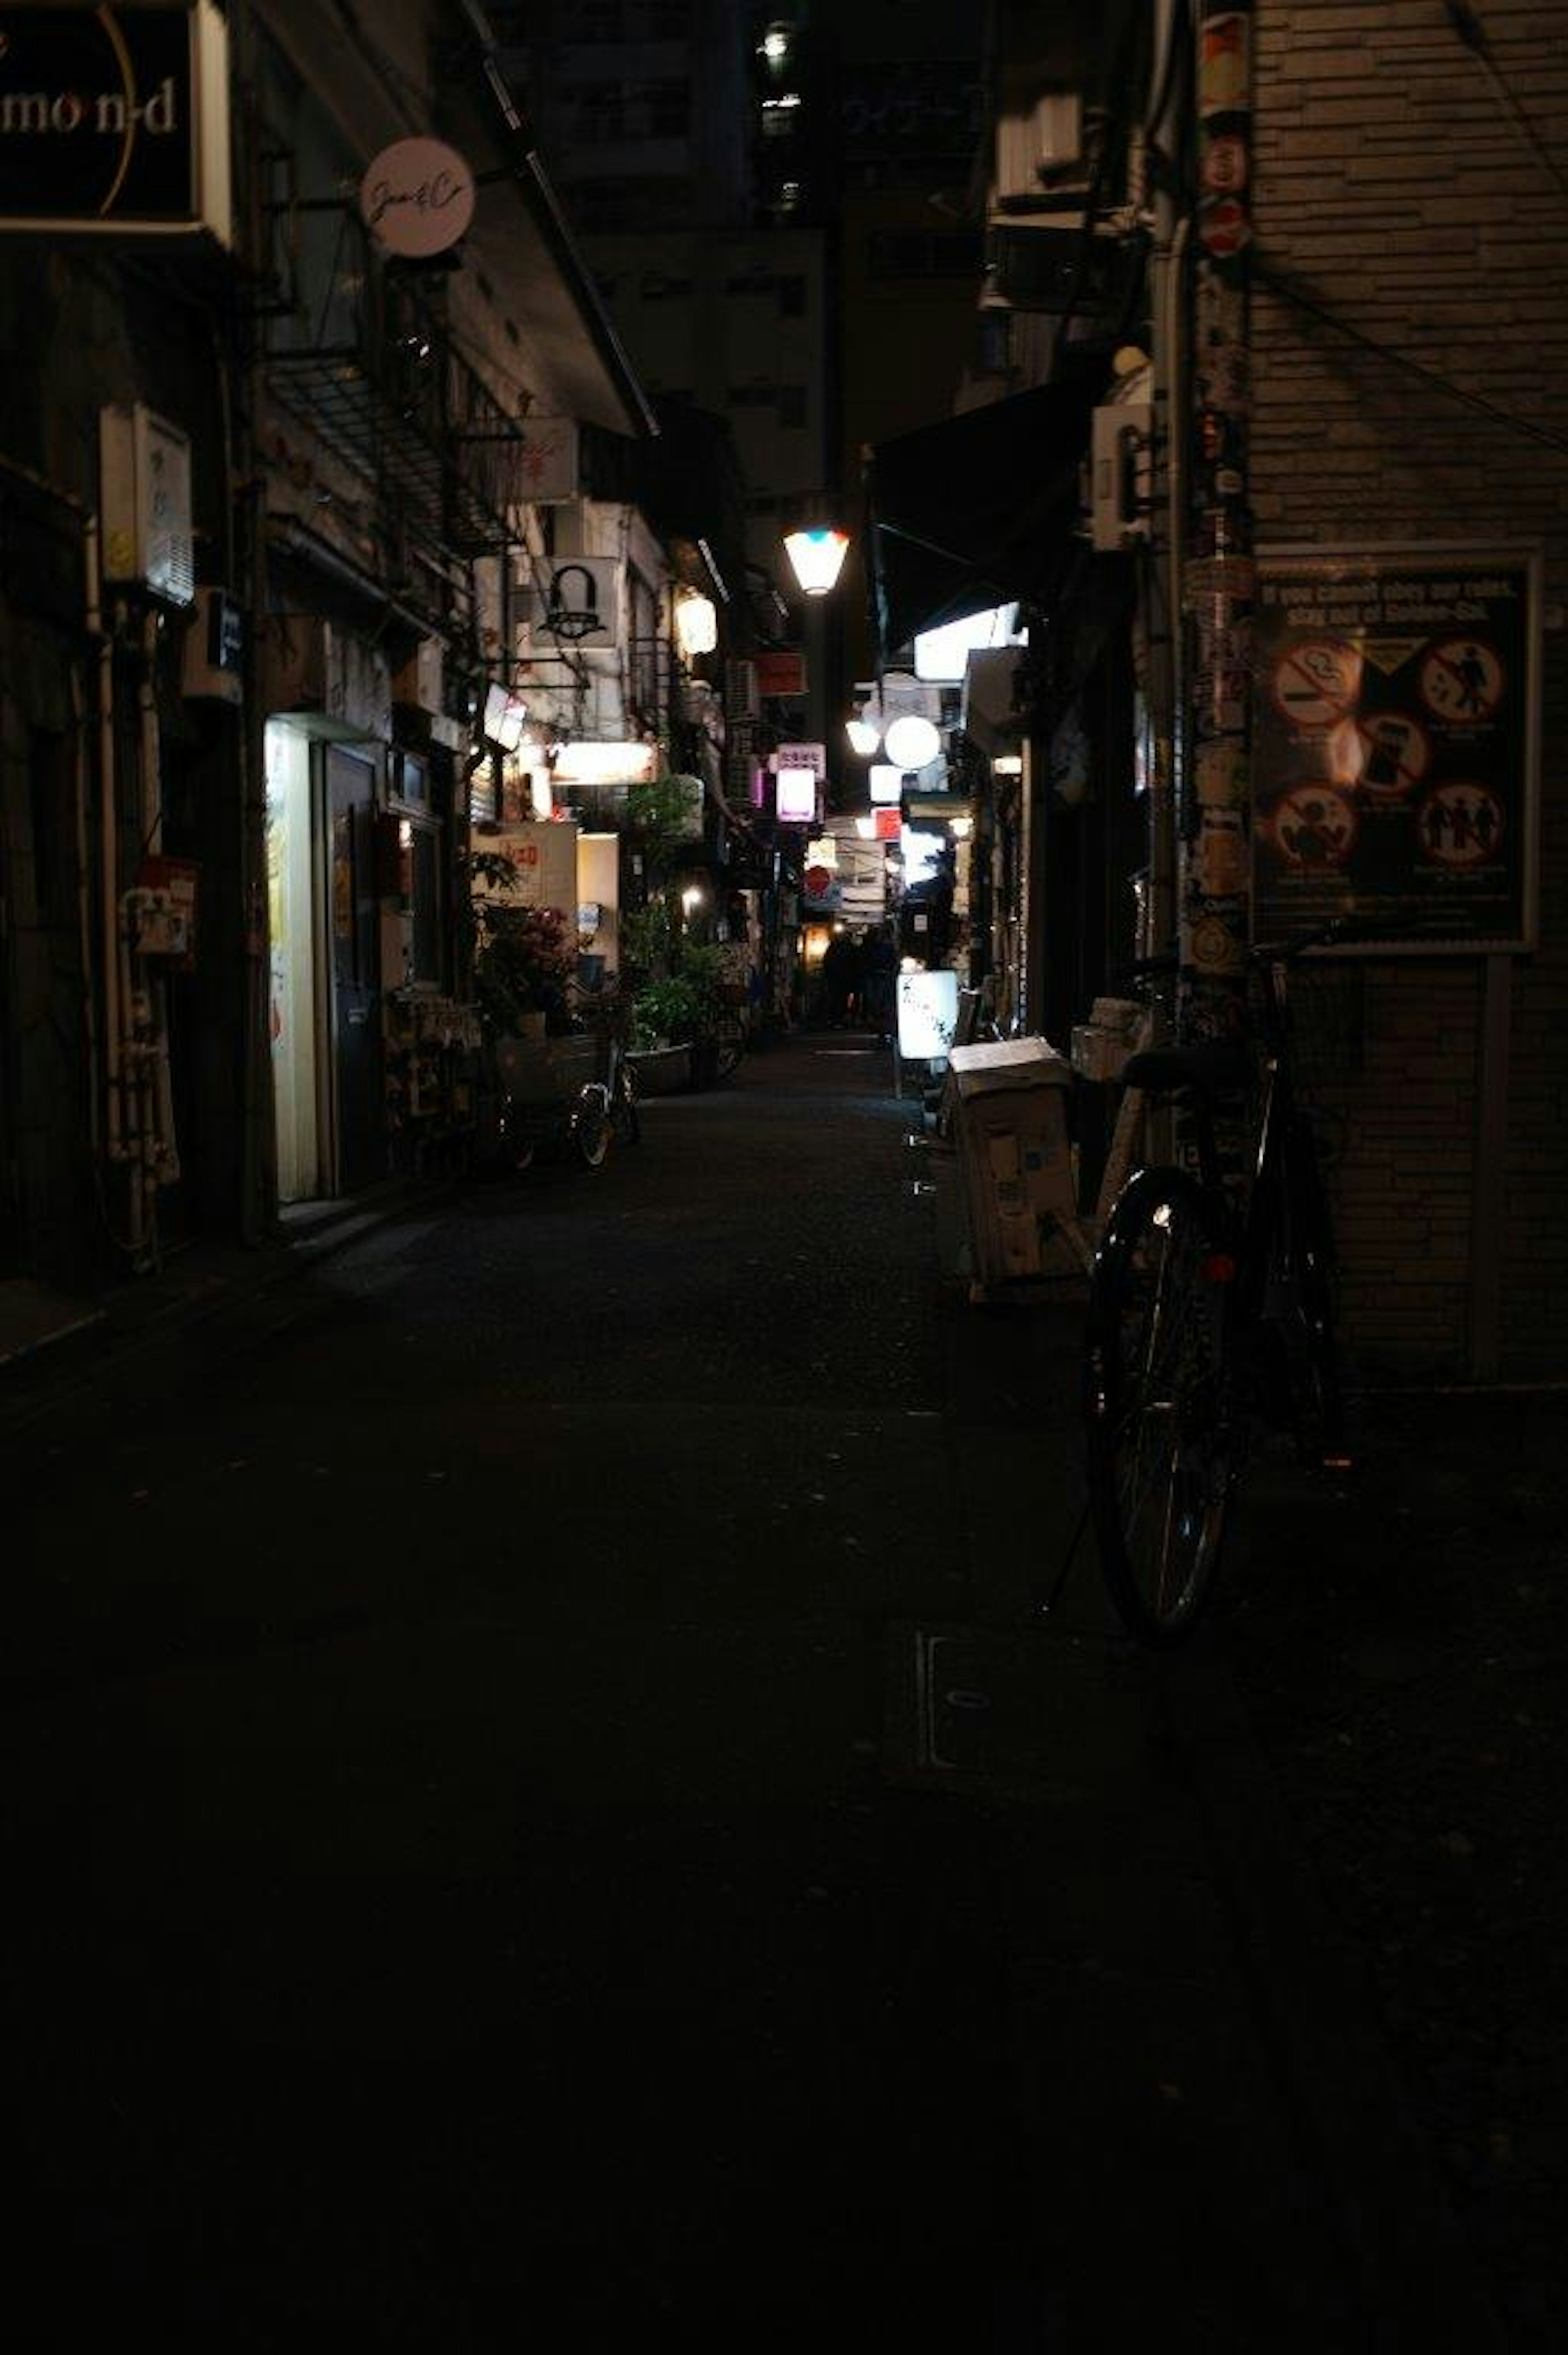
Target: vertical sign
<point>1219,579</point>
<point>1395,751</point>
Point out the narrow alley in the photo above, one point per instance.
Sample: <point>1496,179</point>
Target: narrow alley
<point>504,1846</point>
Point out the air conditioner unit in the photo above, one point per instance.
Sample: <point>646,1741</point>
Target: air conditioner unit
<point>1035,263</point>
<point>418,684</point>
<point>1048,138</point>
<point>213,649</point>
<point>1122,481</point>
<point>144,501</point>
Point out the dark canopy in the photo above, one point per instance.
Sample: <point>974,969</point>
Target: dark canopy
<point>978,511</point>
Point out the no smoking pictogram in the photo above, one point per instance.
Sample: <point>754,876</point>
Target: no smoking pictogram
<point>1316,682</point>
<point>1462,678</point>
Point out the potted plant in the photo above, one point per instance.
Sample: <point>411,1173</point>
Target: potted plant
<point>524,957</point>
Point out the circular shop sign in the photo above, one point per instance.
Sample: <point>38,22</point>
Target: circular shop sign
<point>416,198</point>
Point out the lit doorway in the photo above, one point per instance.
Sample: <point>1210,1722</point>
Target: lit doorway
<point>293,924</point>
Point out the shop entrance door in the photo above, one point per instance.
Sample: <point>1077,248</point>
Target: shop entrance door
<point>354,913</point>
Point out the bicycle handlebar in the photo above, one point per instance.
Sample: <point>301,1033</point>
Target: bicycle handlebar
<point>1341,931</point>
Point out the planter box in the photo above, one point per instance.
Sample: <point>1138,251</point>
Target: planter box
<point>661,1071</point>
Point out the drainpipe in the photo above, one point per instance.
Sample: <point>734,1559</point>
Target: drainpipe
<point>1168,268</point>
<point>162,1145</point>
<point>94,622</point>
<point>109,872</point>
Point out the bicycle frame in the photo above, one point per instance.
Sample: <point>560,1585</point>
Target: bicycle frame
<point>1279,1233</point>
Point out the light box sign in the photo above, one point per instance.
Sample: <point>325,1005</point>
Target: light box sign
<point>795,801</point>
<point>114,120</point>
<point>927,1015</point>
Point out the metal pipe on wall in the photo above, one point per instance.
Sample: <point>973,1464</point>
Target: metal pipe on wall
<point>83,862</point>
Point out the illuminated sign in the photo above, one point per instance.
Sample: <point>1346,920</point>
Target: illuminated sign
<point>795,802</point>
<point>927,1014</point>
<point>114,120</point>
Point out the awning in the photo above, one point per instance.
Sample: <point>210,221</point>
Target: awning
<point>980,510</point>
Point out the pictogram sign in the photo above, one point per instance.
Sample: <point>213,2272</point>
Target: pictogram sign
<point>1314,827</point>
<point>1462,679</point>
<point>1317,681</point>
<point>1461,825</point>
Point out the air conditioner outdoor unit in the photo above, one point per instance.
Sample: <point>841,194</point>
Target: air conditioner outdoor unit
<point>419,684</point>
<point>1047,263</point>
<point>144,499</point>
<point>1122,481</point>
<point>1048,138</point>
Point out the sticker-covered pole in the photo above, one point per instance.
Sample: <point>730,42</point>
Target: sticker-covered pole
<point>1219,579</point>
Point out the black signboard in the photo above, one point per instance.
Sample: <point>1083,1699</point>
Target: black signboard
<point>1394,744</point>
<point>98,122</point>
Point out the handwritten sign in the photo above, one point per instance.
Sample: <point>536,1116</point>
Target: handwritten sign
<point>416,198</point>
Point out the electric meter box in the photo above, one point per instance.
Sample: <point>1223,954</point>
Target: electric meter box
<point>144,503</point>
<point>1007,1115</point>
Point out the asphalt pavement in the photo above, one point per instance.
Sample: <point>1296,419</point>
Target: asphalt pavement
<point>541,1809</point>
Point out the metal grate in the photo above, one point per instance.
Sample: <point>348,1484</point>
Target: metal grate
<point>364,358</point>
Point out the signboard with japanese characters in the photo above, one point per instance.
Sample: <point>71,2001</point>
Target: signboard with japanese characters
<point>114,120</point>
<point>544,862</point>
<point>549,462</point>
<point>1395,746</point>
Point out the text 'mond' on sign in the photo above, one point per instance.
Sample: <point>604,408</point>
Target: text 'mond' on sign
<point>114,120</point>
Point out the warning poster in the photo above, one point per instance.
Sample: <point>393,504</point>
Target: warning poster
<point>1393,744</point>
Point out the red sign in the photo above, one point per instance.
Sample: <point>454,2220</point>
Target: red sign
<point>1224,227</point>
<point>781,671</point>
<point>889,825</point>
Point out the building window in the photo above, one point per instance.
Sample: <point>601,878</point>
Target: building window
<point>423,939</point>
<point>792,296</point>
<point>410,780</point>
<point>791,404</point>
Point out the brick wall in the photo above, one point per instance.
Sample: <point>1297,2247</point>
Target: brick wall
<point>1394,183</point>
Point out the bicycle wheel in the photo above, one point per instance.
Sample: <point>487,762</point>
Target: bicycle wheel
<point>731,1046</point>
<point>590,1124</point>
<point>1163,1450</point>
<point>625,1121</point>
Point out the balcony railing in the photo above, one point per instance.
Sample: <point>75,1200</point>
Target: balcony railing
<point>361,352</point>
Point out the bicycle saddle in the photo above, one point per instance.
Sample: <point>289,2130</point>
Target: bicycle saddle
<point>1215,1068</point>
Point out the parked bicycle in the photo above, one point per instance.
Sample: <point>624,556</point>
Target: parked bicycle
<point>1203,1315</point>
<point>575,1089</point>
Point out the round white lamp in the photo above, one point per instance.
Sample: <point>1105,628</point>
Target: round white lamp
<point>912,742</point>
